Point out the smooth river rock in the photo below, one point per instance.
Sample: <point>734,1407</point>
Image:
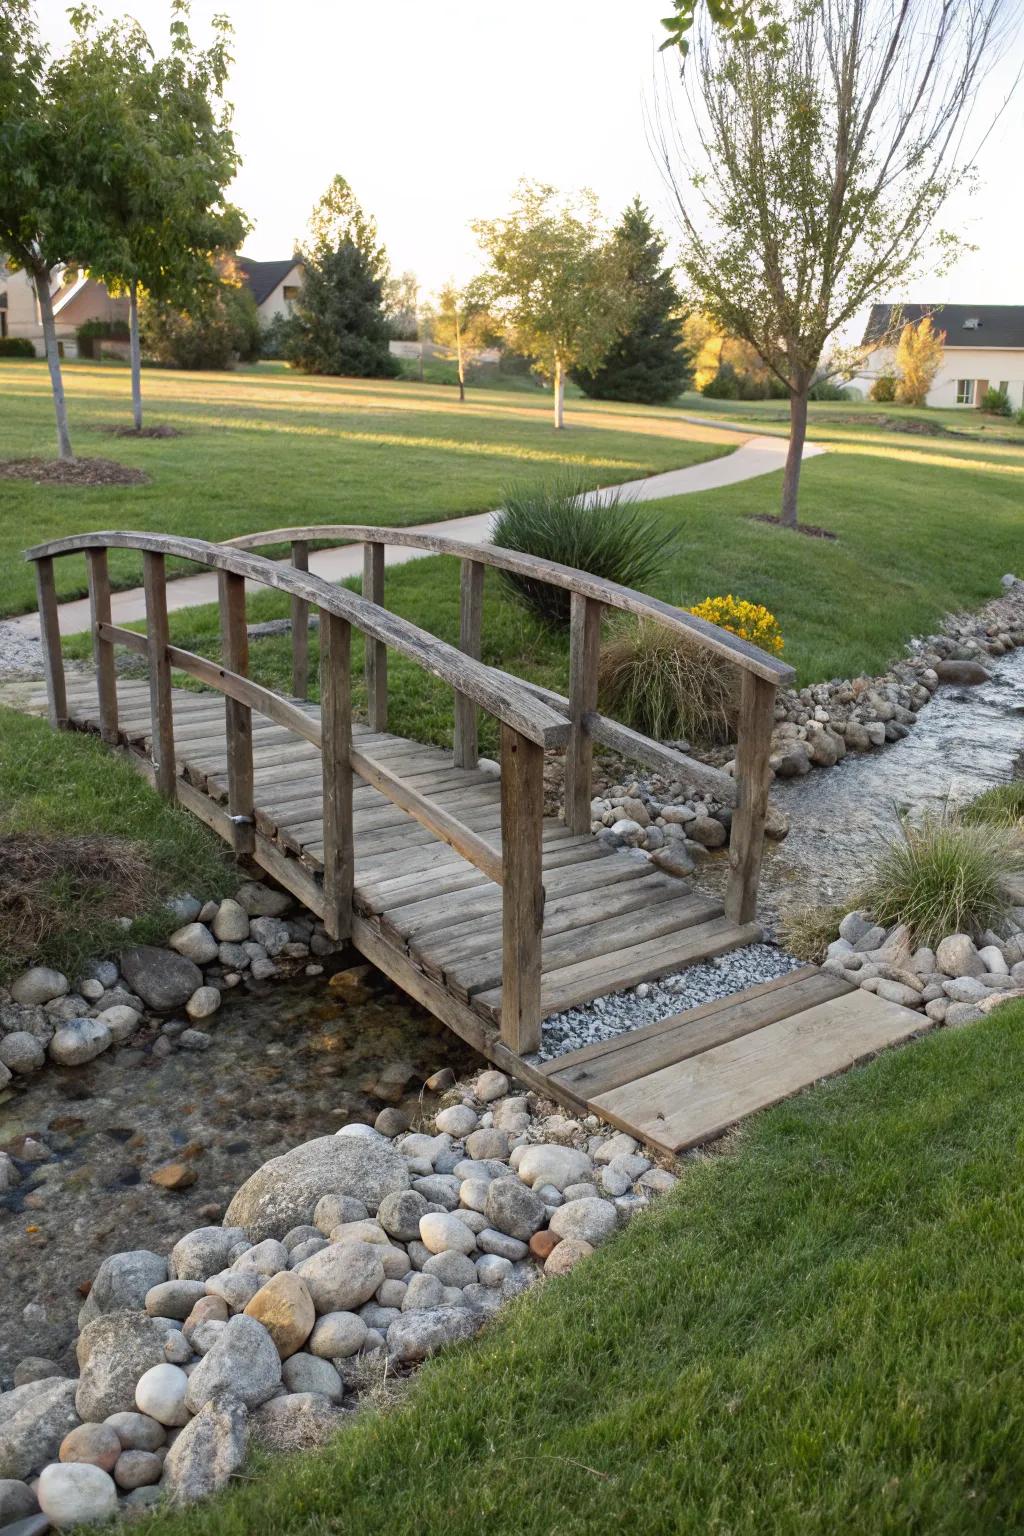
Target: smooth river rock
<point>161,978</point>
<point>286,1191</point>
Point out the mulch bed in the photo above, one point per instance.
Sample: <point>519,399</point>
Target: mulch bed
<point>160,431</point>
<point>809,530</point>
<point>72,472</point>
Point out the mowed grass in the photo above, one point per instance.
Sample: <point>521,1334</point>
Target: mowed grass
<point>821,1330</point>
<point>265,447</point>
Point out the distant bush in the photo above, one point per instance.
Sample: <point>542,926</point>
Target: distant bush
<point>92,331</point>
<point>995,402</point>
<point>883,390</point>
<point>16,346</point>
<point>660,682</point>
<point>615,540</point>
<point>944,876</point>
<point>1019,418</point>
<point>724,385</point>
<point>274,337</point>
<point>828,389</point>
<point>220,326</point>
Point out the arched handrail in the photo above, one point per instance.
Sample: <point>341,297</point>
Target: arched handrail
<point>741,652</point>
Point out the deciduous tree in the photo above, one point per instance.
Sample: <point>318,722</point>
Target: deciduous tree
<point>460,325</point>
<point>918,359</point>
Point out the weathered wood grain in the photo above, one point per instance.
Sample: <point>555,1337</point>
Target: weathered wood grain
<point>102,648</point>
<point>154,579</point>
<point>522,911</point>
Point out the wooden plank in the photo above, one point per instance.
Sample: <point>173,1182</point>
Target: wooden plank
<point>102,649</point>
<point>245,691</point>
<point>584,654</point>
<point>637,1052</point>
<point>522,907</point>
<point>632,964</point>
<point>116,634</point>
<point>234,640</point>
<point>746,840</point>
<point>375,664</point>
<point>471,613</point>
<point>53,660</point>
<point>677,765</point>
<point>336,706</point>
<point>154,580</point>
<point>300,626</point>
<point>695,1100</point>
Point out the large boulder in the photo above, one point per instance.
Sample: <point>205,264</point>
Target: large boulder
<point>415,1335</point>
<point>204,1252</point>
<point>34,1419</point>
<point>113,1351</point>
<point>548,1163</point>
<point>284,1193</point>
<point>161,978</point>
<point>243,1363</point>
<point>207,1452</point>
<point>341,1277</point>
<point>121,1283</point>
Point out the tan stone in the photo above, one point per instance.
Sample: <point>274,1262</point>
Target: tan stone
<point>285,1308</point>
<point>544,1243</point>
<point>208,1309</point>
<point>96,1444</point>
<point>173,1176</point>
<point>568,1254</point>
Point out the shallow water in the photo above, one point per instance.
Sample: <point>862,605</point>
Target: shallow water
<point>291,1064</point>
<point>965,740</point>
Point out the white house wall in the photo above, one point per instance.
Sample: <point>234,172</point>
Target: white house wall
<point>992,365</point>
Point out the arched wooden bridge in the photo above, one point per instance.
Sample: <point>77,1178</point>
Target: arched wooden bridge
<point>448,878</point>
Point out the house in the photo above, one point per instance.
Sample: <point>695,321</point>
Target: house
<point>77,297</point>
<point>274,285</point>
<point>984,348</point>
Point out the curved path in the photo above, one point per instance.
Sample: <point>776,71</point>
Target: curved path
<point>757,456</point>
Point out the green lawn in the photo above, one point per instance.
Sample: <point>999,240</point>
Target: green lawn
<point>820,1331</point>
<point>265,447</point>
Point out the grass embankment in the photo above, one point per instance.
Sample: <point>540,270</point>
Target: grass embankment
<point>83,840</point>
<point>265,447</point>
<point>820,1331</point>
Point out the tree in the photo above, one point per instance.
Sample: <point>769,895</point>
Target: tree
<point>648,363</point>
<point>554,282</point>
<point>401,299</point>
<point>813,167</point>
<point>918,359</point>
<point>154,149</point>
<point>339,325</point>
<point>744,18</point>
<point>460,325</point>
<point>218,323</point>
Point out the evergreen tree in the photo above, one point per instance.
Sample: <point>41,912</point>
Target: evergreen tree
<point>649,363</point>
<point>339,325</point>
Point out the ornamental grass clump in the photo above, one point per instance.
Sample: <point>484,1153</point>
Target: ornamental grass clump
<point>1002,805</point>
<point>666,685</point>
<point>615,540</point>
<point>944,875</point>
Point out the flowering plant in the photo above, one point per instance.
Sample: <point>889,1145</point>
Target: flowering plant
<point>751,621</point>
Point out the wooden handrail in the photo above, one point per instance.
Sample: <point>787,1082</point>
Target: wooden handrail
<point>496,692</point>
<point>741,652</point>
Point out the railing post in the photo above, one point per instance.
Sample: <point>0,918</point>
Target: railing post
<point>102,650</point>
<point>234,644</point>
<point>471,613</point>
<point>300,626</point>
<point>522,892</point>
<point>753,750</point>
<point>154,580</point>
<point>336,722</point>
<point>584,654</point>
<point>375,665</point>
<point>49,628</point>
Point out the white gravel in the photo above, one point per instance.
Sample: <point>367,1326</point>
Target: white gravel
<point>619,1012</point>
<point>21,655</point>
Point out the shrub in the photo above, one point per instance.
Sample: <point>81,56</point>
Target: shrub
<point>16,346</point>
<point>220,325</point>
<point>883,389</point>
<point>274,337</point>
<point>1019,418</point>
<point>723,385</point>
<point>828,389</point>
<point>92,331</point>
<point>1002,805</point>
<point>751,621</point>
<point>615,540</point>
<point>995,402</point>
<point>666,685</point>
<point>944,876</point>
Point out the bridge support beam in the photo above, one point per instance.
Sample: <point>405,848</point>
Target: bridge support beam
<point>336,747</point>
<point>522,895</point>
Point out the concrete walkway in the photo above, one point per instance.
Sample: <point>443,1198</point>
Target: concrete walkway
<point>758,456</point>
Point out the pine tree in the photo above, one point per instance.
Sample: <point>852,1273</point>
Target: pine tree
<point>649,363</point>
<point>340,326</point>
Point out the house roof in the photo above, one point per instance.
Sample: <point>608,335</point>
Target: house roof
<point>264,276</point>
<point>994,325</point>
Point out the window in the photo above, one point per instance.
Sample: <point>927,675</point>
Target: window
<point>965,391</point>
<point>1004,386</point>
<point>290,292</point>
<point>972,324</point>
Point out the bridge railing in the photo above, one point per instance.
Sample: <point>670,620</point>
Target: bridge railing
<point>760,677</point>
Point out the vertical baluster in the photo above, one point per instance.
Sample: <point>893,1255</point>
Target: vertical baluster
<point>154,580</point>
<point>300,626</point>
<point>234,644</point>
<point>49,627</point>
<point>375,665</point>
<point>336,718</point>
<point>102,650</point>
<point>753,749</point>
<point>522,892</point>
<point>471,613</point>
<point>584,653</point>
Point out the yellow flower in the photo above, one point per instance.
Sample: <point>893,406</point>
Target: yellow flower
<point>751,621</point>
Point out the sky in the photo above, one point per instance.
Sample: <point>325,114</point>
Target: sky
<point>433,110</point>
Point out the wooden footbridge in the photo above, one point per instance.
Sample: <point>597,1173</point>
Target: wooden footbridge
<point>447,877</point>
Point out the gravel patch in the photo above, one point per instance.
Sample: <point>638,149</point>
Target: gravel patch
<point>620,1012</point>
<point>21,655</point>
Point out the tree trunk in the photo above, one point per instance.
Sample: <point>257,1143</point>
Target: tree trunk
<point>136,355</point>
<point>422,345</point>
<point>794,458</point>
<point>559,395</point>
<point>461,360</point>
<point>41,279</point>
